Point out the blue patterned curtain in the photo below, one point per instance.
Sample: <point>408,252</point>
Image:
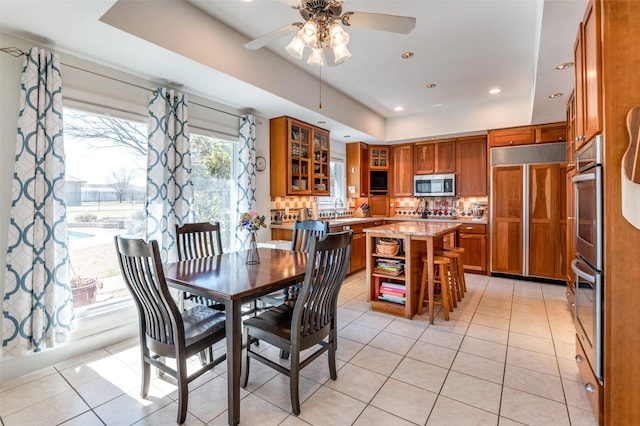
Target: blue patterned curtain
<point>246,178</point>
<point>37,306</point>
<point>169,185</point>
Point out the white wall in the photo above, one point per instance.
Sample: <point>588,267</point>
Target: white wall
<point>100,91</point>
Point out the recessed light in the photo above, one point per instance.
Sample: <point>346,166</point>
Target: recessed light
<point>565,66</point>
<point>398,108</point>
<point>437,105</point>
<point>321,121</point>
<point>494,91</point>
<point>431,85</point>
<point>347,136</point>
<point>407,55</point>
<point>556,95</point>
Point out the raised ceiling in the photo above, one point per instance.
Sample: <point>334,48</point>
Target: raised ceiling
<point>464,47</point>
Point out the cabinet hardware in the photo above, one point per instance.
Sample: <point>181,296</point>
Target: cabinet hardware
<point>469,228</point>
<point>589,387</point>
<point>571,218</point>
<point>578,358</point>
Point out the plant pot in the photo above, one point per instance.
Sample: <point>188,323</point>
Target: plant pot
<point>86,294</point>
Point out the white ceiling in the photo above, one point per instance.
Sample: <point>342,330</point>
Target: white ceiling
<point>465,47</point>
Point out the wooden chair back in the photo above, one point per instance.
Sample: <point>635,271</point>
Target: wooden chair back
<point>196,240</point>
<point>303,231</point>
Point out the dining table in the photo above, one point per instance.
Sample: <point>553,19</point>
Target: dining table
<point>228,278</point>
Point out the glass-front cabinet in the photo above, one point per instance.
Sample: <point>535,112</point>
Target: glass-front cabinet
<point>379,157</point>
<point>300,155</point>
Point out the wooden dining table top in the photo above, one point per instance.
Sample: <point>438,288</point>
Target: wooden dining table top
<point>227,276</point>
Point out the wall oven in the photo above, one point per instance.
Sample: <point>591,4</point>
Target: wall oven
<point>434,185</point>
<point>589,262</point>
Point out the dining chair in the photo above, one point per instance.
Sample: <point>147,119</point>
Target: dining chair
<point>165,331</point>
<point>310,321</point>
<point>303,232</point>
<point>196,240</point>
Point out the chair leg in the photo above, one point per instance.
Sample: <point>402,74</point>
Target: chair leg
<point>183,389</point>
<point>423,286</point>
<point>146,373</point>
<point>445,291</point>
<point>284,354</point>
<point>294,380</point>
<point>244,368</point>
<point>331,354</point>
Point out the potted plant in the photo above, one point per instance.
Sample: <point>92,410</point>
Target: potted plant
<point>83,290</point>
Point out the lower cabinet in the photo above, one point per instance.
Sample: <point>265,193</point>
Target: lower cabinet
<point>473,238</point>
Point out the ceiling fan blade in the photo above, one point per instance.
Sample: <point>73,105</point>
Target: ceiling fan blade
<point>379,21</point>
<point>272,36</point>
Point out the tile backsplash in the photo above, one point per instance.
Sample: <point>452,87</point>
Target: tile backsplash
<point>402,206</point>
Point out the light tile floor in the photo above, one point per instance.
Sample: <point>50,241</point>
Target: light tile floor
<point>505,357</point>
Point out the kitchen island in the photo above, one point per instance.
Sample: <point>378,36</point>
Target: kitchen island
<point>393,279</point>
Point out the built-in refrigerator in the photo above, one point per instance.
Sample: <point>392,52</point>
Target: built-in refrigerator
<point>528,211</point>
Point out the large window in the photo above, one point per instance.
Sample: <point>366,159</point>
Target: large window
<point>105,189</point>
<point>106,161</point>
<point>213,182</point>
<point>337,183</point>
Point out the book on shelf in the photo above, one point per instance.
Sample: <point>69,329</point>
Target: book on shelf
<point>389,267</point>
<point>393,299</point>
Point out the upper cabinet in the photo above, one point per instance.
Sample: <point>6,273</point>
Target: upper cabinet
<point>357,169</point>
<point>588,71</point>
<point>471,166</point>
<point>512,136</point>
<point>302,152</point>
<point>402,170</point>
<point>435,157</point>
<point>525,135</point>
<point>378,157</point>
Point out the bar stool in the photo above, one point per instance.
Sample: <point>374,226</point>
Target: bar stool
<point>441,277</point>
<point>456,281</point>
<point>460,267</point>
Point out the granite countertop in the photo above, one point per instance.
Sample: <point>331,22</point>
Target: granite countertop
<point>356,220</point>
<point>416,228</point>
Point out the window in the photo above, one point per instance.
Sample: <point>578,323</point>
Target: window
<point>213,183</point>
<point>105,189</point>
<point>337,184</point>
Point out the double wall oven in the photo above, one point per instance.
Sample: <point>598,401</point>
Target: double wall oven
<point>588,265</point>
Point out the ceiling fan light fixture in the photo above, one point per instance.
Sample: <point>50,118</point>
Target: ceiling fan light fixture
<point>296,47</point>
<point>309,33</point>
<point>316,57</point>
<point>337,34</point>
<point>341,53</point>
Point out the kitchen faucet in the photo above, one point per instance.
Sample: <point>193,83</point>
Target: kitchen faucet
<point>336,204</point>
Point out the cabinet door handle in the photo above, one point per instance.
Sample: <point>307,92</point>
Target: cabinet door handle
<point>469,228</point>
<point>578,358</point>
<point>589,387</point>
<point>571,218</point>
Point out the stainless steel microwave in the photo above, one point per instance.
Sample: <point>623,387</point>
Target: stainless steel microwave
<point>434,185</point>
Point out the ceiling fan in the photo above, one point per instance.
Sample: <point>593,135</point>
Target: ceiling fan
<point>321,28</point>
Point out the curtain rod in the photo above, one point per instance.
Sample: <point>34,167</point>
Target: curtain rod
<point>16,52</point>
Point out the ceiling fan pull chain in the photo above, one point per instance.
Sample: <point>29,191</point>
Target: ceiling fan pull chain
<point>320,102</point>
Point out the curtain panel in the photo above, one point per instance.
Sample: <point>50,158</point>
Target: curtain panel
<point>246,177</point>
<point>169,185</point>
<point>37,304</point>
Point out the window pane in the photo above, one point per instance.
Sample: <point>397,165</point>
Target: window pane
<point>105,188</point>
<point>213,182</point>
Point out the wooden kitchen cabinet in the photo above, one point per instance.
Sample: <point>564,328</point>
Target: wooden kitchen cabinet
<point>302,152</point>
<point>378,157</point>
<point>571,126</point>
<point>507,215</point>
<point>547,221</point>
<point>550,133</point>
<point>357,169</point>
<point>471,166</point>
<point>379,205</point>
<point>588,72</point>
<point>511,136</point>
<point>435,157</point>
<point>473,238</point>
<point>402,170</point>
<point>358,260</point>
